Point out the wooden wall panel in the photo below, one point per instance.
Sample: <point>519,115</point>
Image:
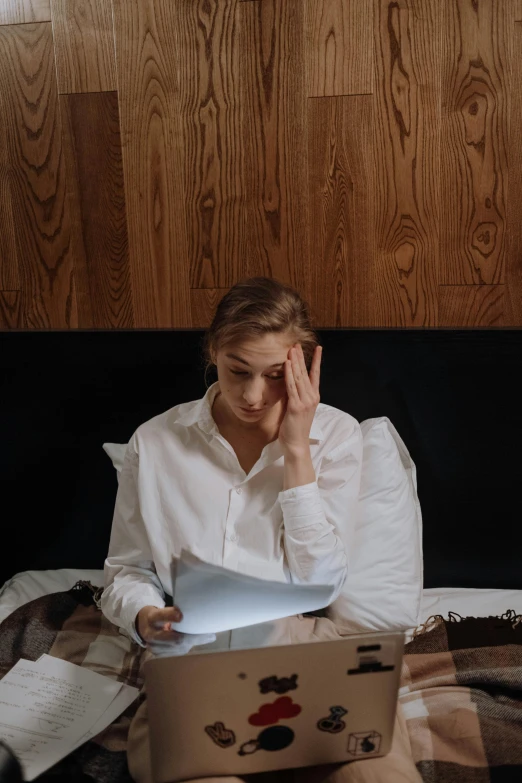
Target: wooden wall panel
<point>10,312</point>
<point>9,276</point>
<point>203,303</point>
<point>84,45</point>
<point>209,72</point>
<point>307,140</point>
<point>38,182</point>
<point>341,209</point>
<point>513,298</point>
<point>93,151</point>
<point>476,55</point>
<point>406,139</point>
<point>274,137</point>
<point>23,11</point>
<point>339,47</point>
<point>471,305</point>
<point>152,162</point>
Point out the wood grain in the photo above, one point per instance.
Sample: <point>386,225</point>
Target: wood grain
<point>513,298</point>
<point>471,306</point>
<point>152,162</point>
<point>22,11</point>
<point>274,237</point>
<point>10,311</point>
<point>477,43</point>
<point>93,151</point>
<point>203,303</point>
<point>9,276</point>
<point>406,148</point>
<point>208,60</point>
<point>339,47</point>
<point>38,182</point>
<point>341,216</point>
<point>84,45</point>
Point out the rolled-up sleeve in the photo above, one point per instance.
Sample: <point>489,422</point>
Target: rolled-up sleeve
<point>131,581</point>
<point>320,518</point>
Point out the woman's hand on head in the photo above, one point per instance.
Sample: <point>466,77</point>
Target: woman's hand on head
<point>302,400</point>
<point>155,628</point>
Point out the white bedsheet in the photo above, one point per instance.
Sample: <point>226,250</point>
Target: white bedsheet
<point>28,585</point>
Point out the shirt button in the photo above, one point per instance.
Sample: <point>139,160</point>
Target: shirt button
<point>239,490</point>
<point>232,537</point>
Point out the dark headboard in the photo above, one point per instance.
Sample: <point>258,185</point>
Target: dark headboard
<point>454,396</point>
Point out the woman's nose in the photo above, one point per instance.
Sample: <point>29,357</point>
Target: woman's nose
<point>253,392</point>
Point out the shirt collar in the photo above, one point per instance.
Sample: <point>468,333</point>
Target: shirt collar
<point>201,413</point>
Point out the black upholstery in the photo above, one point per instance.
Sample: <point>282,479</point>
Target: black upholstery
<point>454,396</point>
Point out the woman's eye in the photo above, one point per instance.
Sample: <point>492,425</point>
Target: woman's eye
<point>271,377</point>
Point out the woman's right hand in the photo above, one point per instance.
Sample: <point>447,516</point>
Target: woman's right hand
<point>155,628</point>
<point>155,624</point>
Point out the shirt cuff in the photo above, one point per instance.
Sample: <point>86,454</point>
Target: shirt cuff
<point>301,505</point>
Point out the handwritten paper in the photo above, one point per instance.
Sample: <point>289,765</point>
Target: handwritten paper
<point>214,599</point>
<point>50,706</point>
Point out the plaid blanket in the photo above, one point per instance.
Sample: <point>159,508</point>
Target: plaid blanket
<point>461,688</point>
<point>69,625</point>
<point>461,696</point>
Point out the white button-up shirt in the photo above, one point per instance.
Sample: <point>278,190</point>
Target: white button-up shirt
<point>182,487</point>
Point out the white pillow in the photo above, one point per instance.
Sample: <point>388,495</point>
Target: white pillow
<point>383,590</point>
<point>116,452</point>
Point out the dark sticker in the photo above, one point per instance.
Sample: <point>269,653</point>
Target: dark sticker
<point>368,661</point>
<point>274,738</point>
<point>369,668</point>
<point>220,735</point>
<point>278,684</point>
<point>361,743</point>
<point>333,723</point>
<point>280,709</point>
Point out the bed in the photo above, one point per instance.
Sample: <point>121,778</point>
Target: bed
<point>443,601</point>
<point>453,399</point>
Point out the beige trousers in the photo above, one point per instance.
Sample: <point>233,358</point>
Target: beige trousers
<point>396,767</point>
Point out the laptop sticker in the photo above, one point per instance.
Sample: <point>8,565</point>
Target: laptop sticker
<point>220,735</point>
<point>370,659</point>
<point>361,743</point>
<point>278,684</point>
<point>274,738</point>
<point>280,709</point>
<point>333,723</point>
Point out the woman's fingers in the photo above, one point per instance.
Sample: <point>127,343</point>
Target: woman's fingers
<point>170,614</point>
<point>315,369</point>
<point>170,636</point>
<point>305,386</point>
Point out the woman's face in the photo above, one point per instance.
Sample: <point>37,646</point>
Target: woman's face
<point>252,377</point>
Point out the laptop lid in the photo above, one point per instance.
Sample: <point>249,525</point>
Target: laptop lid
<point>245,711</point>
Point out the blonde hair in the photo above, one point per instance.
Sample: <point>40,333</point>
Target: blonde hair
<point>255,307</point>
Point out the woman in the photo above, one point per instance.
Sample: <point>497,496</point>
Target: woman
<point>258,476</point>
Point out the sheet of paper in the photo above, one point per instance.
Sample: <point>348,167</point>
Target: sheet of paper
<point>214,599</point>
<point>123,698</point>
<point>46,708</point>
<point>118,705</point>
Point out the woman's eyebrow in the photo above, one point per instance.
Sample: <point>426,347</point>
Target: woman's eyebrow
<point>238,359</point>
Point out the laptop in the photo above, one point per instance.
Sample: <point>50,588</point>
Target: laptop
<point>235,712</point>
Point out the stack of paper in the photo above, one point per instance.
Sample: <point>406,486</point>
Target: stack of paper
<point>49,707</point>
<point>214,599</point>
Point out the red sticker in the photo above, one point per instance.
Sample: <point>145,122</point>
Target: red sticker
<point>281,708</point>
